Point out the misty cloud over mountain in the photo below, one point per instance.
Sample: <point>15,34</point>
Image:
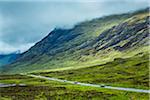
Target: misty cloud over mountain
<point>24,23</point>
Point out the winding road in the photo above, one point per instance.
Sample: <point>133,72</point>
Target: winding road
<point>92,85</point>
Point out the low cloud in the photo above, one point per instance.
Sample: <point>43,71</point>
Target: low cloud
<point>6,48</point>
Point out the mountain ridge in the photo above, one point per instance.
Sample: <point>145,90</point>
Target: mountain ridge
<point>67,47</point>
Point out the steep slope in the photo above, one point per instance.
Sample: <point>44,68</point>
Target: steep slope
<point>88,43</point>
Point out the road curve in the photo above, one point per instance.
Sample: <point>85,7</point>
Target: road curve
<point>92,85</point>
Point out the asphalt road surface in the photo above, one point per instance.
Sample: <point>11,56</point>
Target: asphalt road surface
<point>92,85</point>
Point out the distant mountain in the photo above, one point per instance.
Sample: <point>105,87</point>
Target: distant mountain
<point>88,43</point>
<point>8,58</point>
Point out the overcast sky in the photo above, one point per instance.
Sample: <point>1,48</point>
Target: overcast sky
<point>24,23</point>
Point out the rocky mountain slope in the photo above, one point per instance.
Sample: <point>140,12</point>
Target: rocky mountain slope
<point>88,43</point>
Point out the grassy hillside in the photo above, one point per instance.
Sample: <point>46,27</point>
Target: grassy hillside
<point>89,43</point>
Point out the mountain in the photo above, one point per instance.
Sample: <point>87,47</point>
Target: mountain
<point>8,58</point>
<point>89,43</point>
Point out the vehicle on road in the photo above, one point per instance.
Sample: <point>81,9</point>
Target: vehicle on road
<point>102,85</point>
<point>75,82</point>
<point>65,80</point>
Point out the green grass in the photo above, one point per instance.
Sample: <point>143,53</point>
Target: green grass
<point>126,69</point>
<point>130,70</point>
<point>125,72</point>
<point>85,61</point>
<point>50,90</point>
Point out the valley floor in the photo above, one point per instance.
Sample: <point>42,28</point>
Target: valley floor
<point>122,72</point>
<point>40,89</point>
